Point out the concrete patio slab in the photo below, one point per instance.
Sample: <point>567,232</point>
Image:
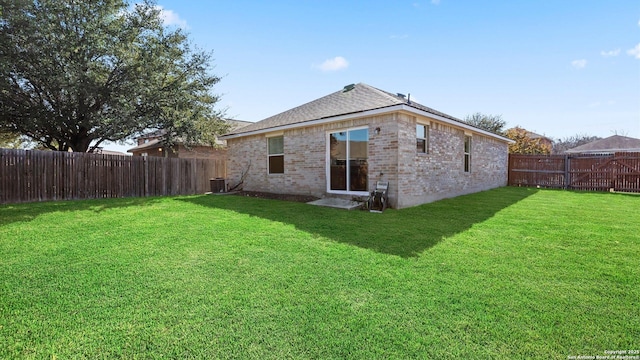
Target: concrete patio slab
<point>337,203</point>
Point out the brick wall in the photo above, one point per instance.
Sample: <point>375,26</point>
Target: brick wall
<point>383,154</point>
<point>248,155</point>
<point>440,173</point>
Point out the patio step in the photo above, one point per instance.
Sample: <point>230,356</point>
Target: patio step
<point>337,203</point>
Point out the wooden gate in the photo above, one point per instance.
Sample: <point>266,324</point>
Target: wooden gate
<point>626,172</point>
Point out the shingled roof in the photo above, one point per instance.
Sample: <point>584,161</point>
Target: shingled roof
<point>351,99</point>
<point>615,143</point>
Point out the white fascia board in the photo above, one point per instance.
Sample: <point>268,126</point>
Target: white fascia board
<point>374,112</point>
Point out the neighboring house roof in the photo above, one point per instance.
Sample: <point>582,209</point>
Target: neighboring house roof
<point>108,152</point>
<point>146,146</point>
<point>153,134</point>
<point>533,135</point>
<point>238,124</point>
<point>615,143</point>
<point>234,124</point>
<point>351,100</point>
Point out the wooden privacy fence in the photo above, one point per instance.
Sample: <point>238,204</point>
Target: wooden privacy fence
<point>595,172</point>
<point>30,175</point>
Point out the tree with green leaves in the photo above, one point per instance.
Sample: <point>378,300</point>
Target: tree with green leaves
<point>11,140</point>
<point>74,74</point>
<point>524,144</point>
<point>488,122</point>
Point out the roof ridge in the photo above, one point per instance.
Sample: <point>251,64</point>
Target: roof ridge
<point>384,93</point>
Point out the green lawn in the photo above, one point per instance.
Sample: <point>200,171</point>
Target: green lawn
<point>510,273</point>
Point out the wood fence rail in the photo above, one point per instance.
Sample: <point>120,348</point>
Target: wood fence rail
<point>593,172</point>
<point>31,175</point>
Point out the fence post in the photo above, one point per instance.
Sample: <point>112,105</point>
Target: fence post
<point>509,167</point>
<point>194,178</point>
<point>145,166</point>
<point>566,171</point>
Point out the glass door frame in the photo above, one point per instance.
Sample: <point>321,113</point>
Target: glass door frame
<point>328,161</point>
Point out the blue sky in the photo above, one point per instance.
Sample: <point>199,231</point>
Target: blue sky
<point>558,68</point>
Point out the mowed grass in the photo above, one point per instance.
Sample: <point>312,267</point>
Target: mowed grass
<point>503,274</point>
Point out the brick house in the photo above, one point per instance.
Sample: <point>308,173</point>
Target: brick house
<point>151,145</point>
<point>341,144</point>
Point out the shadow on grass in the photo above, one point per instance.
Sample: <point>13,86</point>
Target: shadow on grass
<point>406,233</point>
<point>24,212</point>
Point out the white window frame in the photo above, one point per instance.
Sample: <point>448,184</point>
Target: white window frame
<point>328,162</point>
<point>467,155</point>
<point>269,155</point>
<point>427,130</point>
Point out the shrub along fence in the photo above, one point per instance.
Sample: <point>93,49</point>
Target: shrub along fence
<point>31,175</point>
<point>594,172</point>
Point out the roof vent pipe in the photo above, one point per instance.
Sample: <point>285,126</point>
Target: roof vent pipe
<point>409,98</point>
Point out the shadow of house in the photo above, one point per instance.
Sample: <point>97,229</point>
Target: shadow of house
<point>406,233</point>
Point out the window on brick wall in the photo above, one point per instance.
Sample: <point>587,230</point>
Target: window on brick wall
<point>276,154</point>
<point>467,153</point>
<point>422,138</point>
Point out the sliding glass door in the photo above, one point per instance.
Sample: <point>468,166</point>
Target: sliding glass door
<point>348,152</point>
